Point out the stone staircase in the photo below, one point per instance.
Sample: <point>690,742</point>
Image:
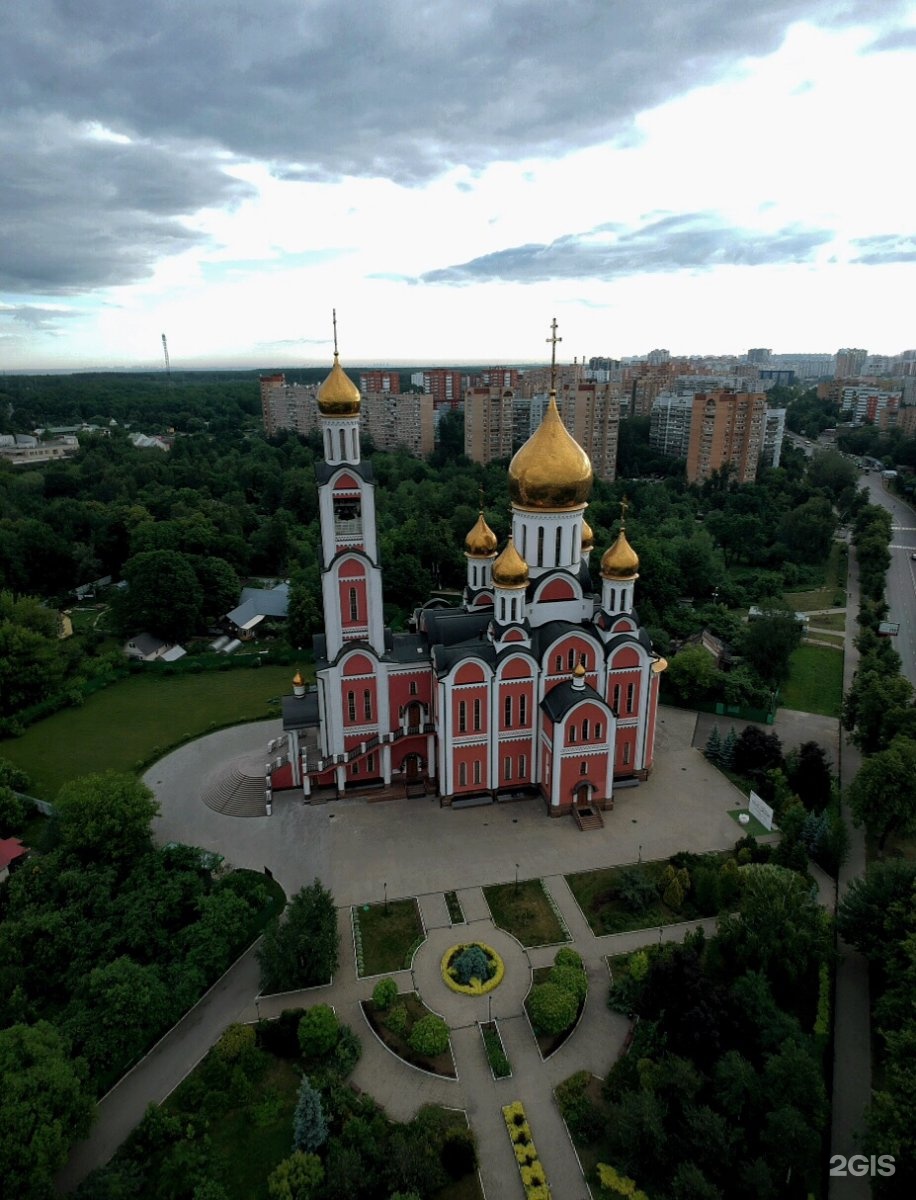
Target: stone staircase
<point>235,793</point>
<point>588,818</point>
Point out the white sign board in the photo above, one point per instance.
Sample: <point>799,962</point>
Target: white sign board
<point>761,810</point>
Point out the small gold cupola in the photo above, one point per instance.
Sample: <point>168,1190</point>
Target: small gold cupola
<point>588,536</point>
<point>481,541</point>
<point>338,396</point>
<point>620,561</point>
<point>510,570</point>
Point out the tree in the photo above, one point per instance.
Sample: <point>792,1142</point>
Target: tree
<point>768,644</point>
<point>429,1036</point>
<point>807,531</point>
<point>810,777</point>
<point>310,1126</point>
<point>873,913</point>
<point>384,994</point>
<point>219,585</point>
<point>571,979</point>
<point>319,1030</point>
<point>876,706</point>
<point>693,675</point>
<point>164,596</point>
<point>44,1107</point>
<point>122,1005</point>
<point>32,666</point>
<point>105,818</point>
<point>552,1009</point>
<point>713,748</point>
<point>756,752</point>
<point>304,949</point>
<point>883,793</point>
<point>298,1177</point>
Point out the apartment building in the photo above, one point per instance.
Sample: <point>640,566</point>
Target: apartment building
<point>774,432</point>
<point>395,421</point>
<point>726,428</point>
<point>669,424</point>
<point>288,405</point>
<point>849,362</point>
<point>488,423</point>
<point>446,387</point>
<point>374,382</point>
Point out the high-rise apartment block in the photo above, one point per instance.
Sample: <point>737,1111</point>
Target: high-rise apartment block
<point>488,423</point>
<point>726,429</point>
<point>445,387</point>
<point>759,356</point>
<point>393,421</point>
<point>849,363</point>
<point>590,412</point>
<point>288,406</point>
<point>774,431</point>
<point>380,381</point>
<point>497,377</point>
<point>669,424</point>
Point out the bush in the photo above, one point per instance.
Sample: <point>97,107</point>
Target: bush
<point>471,963</point>
<point>552,1009</point>
<point>13,811</point>
<point>347,1051</point>
<point>571,979</point>
<point>458,1156</point>
<point>384,994</point>
<point>318,1031</point>
<point>281,1036</point>
<point>567,957</point>
<point>429,1036</point>
<point>235,1041</point>
<point>397,1020</point>
<point>635,890</point>
<point>674,894</point>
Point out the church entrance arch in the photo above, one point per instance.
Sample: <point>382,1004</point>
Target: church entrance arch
<point>413,714</point>
<point>412,766</point>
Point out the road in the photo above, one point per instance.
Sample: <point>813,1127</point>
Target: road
<point>901,578</point>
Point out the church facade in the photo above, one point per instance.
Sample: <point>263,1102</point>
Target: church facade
<point>537,684</point>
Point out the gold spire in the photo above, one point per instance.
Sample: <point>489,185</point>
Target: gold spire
<point>510,570</point>
<point>588,536</point>
<point>338,396</point>
<point>481,541</point>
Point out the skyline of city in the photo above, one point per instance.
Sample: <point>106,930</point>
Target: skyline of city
<point>450,177</point>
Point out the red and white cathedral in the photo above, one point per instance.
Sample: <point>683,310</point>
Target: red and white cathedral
<point>534,685</point>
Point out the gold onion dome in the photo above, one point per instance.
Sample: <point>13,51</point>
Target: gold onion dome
<point>481,541</point>
<point>297,680</point>
<point>579,671</point>
<point>620,561</point>
<point>338,396</point>
<point>551,471</point>
<point>588,536</point>
<point>510,570</point>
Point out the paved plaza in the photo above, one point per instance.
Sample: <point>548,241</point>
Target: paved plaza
<point>419,849</point>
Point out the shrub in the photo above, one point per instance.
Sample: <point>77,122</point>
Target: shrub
<point>635,890</point>
<point>571,979</point>
<point>674,894</point>
<point>471,963</point>
<point>397,1020</point>
<point>13,811</point>
<point>347,1051</point>
<point>318,1031</point>
<point>567,957</point>
<point>429,1036</point>
<point>298,1177</point>
<point>235,1041</point>
<point>552,1009</point>
<point>458,1156</point>
<point>384,994</point>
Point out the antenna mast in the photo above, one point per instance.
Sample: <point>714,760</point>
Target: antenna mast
<point>165,351</point>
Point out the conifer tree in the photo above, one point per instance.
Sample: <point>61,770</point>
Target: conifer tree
<point>310,1126</point>
<point>728,748</point>
<point>713,750</point>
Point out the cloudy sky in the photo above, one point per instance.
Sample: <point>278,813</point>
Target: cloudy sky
<point>703,175</point>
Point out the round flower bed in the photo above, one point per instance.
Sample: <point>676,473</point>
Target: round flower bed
<point>454,966</point>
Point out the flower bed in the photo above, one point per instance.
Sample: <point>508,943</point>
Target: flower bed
<point>394,1025</point>
<point>534,1180</point>
<point>495,1051</point>
<point>475,986</point>
<point>455,911</point>
<point>554,1016</point>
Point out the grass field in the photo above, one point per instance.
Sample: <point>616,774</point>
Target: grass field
<point>389,933</point>
<point>833,621</point>
<point>833,593</point>
<point>815,682</point>
<point>140,717</point>
<point>525,912</point>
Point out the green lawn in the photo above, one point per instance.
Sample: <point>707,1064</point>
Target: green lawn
<point>135,720</point>
<point>525,912</point>
<point>833,593</point>
<point>834,621</point>
<point>389,934</point>
<point>815,682</point>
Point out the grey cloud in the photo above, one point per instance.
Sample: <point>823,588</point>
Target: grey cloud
<point>886,248</point>
<point>77,212</point>
<point>694,241</point>
<point>33,316</point>
<point>894,39</point>
<point>319,90</point>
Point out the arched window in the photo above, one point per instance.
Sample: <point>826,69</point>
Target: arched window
<point>351,706</point>
<point>572,735</point>
<point>522,766</point>
<point>585,730</point>
<point>558,550</point>
<point>413,687</point>
<point>583,768</point>
<point>343,445</point>
<point>462,716</point>
<point>354,605</point>
<point>631,691</point>
<point>616,704</point>
<point>626,753</point>
<point>476,714</point>
<point>559,666</point>
<point>540,558</point>
<point>367,704</point>
<point>507,767</point>
<point>571,659</point>
<point>354,439</point>
<point>463,774</point>
<point>507,716</point>
<point>477,770</point>
<point>597,729</point>
<point>523,710</point>
<point>502,608</point>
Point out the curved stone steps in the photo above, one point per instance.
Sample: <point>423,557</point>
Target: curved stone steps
<point>234,793</point>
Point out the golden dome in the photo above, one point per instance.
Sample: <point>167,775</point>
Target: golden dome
<point>579,671</point>
<point>510,570</point>
<point>297,680</point>
<point>481,541</point>
<point>551,471</point>
<point>620,561</point>
<point>588,536</point>
<point>660,664</point>
<point>338,396</point>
